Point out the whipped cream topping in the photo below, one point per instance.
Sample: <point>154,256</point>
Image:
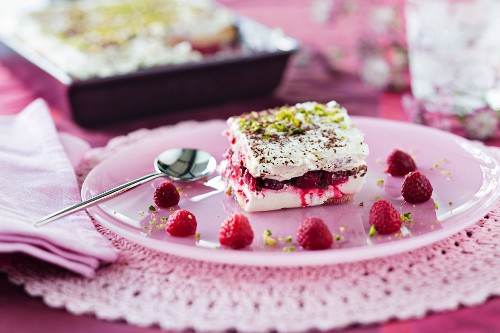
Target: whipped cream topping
<point>287,142</point>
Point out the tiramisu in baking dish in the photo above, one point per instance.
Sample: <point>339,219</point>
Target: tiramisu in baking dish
<point>103,38</point>
<point>308,154</point>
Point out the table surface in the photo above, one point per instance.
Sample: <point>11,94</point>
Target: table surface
<point>20,312</point>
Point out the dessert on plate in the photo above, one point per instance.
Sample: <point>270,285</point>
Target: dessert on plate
<point>308,154</point>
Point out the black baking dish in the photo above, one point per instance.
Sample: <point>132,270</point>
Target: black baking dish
<point>159,90</point>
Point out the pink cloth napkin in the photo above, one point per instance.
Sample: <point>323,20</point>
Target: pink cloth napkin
<point>36,179</point>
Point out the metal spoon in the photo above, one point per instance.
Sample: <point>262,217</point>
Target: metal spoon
<point>179,164</point>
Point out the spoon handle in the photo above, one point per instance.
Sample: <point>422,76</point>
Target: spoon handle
<point>97,199</point>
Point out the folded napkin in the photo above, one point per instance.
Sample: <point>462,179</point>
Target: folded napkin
<point>36,179</point>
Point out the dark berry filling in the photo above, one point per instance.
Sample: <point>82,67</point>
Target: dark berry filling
<point>312,179</point>
<point>271,184</point>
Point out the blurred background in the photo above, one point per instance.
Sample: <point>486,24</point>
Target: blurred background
<point>431,62</point>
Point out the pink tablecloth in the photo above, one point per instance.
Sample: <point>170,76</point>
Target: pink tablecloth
<point>311,83</point>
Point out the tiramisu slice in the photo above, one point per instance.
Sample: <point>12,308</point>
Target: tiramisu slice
<point>294,156</point>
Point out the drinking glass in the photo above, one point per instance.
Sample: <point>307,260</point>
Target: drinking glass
<point>454,53</point>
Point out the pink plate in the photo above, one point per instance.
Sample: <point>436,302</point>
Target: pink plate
<point>464,176</point>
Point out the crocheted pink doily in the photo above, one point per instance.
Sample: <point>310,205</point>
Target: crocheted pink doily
<point>146,287</point>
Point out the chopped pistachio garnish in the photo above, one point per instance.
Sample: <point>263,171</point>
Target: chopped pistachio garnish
<point>337,237</point>
<point>450,203</point>
<point>406,217</point>
<point>267,233</point>
<point>342,228</point>
<point>172,209</point>
<point>296,131</point>
<point>179,188</point>
<point>372,231</point>
<point>436,207</point>
<point>436,165</point>
<point>290,248</point>
<point>197,236</point>
<point>380,182</point>
<point>378,197</point>
<point>378,160</point>
<point>269,241</point>
<point>141,213</point>
<point>290,120</point>
<point>151,208</point>
<point>288,239</point>
<point>163,219</point>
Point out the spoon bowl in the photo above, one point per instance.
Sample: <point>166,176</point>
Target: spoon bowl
<point>180,164</point>
<point>183,164</point>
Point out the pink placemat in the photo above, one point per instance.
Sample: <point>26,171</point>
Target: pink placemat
<point>149,288</point>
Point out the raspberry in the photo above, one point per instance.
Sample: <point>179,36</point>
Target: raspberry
<point>236,232</point>
<point>400,163</point>
<point>313,234</point>
<point>416,188</point>
<point>166,195</point>
<point>250,180</point>
<point>181,223</point>
<point>385,217</point>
